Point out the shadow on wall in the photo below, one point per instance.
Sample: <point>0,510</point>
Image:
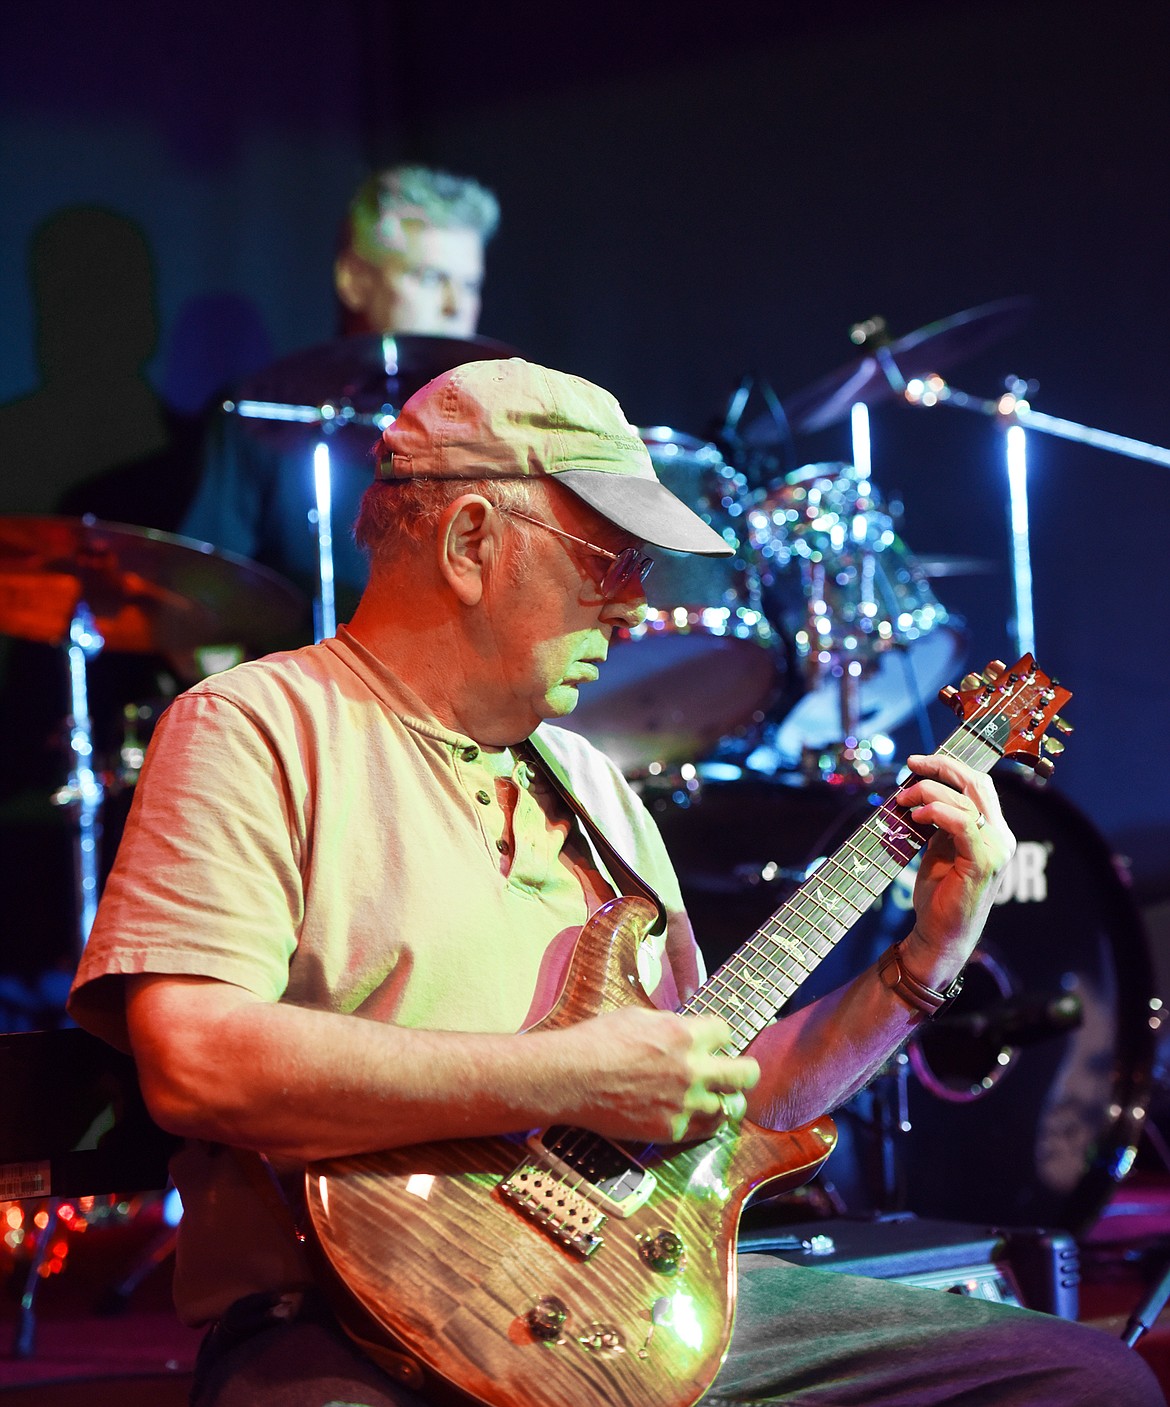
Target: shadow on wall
<point>95,413</point>
<point>93,292</point>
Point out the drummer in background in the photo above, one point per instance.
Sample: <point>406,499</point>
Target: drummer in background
<point>411,261</point>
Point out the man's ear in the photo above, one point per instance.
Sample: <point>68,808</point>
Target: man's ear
<point>353,278</point>
<point>469,538</point>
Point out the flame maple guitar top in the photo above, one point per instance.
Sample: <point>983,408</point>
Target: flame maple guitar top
<point>450,1283</point>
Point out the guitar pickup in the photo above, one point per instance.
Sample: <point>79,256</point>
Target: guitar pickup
<point>574,1182</point>
<point>590,1168</point>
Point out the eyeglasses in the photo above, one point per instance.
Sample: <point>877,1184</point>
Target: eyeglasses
<point>623,567</point>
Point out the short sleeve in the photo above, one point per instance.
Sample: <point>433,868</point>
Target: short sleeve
<point>207,880</point>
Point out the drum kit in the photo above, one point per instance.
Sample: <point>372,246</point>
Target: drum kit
<point>753,709</point>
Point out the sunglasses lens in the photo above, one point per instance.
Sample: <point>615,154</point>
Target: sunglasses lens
<point>628,564</point>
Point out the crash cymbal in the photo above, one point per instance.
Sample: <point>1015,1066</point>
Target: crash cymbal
<point>147,590</point>
<point>936,347</point>
<point>363,376</point>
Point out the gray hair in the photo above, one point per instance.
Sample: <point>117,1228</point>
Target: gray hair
<point>405,193</point>
<point>397,516</point>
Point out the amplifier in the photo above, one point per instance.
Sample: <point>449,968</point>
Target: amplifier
<point>1024,1266</point>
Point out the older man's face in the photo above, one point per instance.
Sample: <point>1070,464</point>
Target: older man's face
<point>432,286</point>
<point>547,629</point>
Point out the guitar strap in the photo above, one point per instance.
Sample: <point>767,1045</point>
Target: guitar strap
<point>625,879</point>
<point>256,1168</point>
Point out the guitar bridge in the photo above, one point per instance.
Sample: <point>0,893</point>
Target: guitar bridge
<point>574,1182</point>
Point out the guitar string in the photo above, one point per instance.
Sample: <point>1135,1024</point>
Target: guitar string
<point>863,844</point>
<point>966,744</point>
<point>970,743</point>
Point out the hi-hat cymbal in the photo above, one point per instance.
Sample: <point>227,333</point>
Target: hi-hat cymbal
<point>146,590</point>
<point>936,347</point>
<point>362,375</point>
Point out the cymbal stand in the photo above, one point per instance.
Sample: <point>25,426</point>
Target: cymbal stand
<point>1014,412</point>
<point>329,418</point>
<point>325,606</point>
<point>83,789</point>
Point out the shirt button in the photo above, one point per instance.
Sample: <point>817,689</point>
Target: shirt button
<point>503,847</point>
<point>470,753</point>
<point>483,797</point>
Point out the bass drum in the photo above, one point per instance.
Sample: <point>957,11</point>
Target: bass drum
<point>1026,1097</point>
<point>706,667</point>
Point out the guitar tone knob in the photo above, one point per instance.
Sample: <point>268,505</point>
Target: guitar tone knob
<point>664,1252</point>
<point>547,1318</point>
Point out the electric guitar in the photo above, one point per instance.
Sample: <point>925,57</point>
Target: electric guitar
<point>562,1269</point>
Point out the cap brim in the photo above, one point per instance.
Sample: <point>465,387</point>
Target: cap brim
<point>647,509</point>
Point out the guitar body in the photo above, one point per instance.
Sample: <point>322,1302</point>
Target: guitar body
<point>462,1276</point>
<point>563,1270</point>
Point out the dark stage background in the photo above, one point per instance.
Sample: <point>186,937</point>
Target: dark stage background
<point>687,196</point>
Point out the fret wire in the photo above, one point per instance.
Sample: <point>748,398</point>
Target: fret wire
<point>744,991</point>
<point>764,996</point>
<point>757,967</point>
<point>783,940</point>
<point>785,935</point>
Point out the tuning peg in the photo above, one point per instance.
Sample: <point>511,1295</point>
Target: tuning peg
<point>1044,768</point>
<point>949,695</point>
<point>1053,746</point>
<point>993,672</point>
<point>971,681</point>
<point>1062,724</point>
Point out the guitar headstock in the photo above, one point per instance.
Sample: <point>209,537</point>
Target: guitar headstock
<point>1012,709</point>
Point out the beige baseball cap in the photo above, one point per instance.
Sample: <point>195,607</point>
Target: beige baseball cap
<point>515,420</point>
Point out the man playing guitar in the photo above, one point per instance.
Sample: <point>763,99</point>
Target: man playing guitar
<point>353,882</point>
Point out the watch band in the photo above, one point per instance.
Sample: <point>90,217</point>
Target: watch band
<point>914,993</point>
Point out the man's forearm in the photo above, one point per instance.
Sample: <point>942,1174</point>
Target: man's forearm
<point>814,1060</point>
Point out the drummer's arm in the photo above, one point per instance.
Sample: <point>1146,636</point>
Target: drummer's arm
<point>812,1061</point>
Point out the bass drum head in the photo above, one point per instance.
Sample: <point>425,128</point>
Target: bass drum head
<point>1026,1097</point>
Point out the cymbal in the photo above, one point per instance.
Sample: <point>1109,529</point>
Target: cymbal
<point>147,590</point>
<point>935,347</point>
<point>364,375</point>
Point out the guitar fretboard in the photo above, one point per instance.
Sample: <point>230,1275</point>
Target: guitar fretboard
<point>752,985</point>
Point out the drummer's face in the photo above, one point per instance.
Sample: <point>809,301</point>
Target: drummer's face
<point>431,287</point>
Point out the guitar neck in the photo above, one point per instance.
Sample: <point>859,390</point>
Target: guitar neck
<point>752,985</point>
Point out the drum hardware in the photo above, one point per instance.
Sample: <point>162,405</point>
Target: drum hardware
<point>146,591</point>
<point>88,586</point>
<point>1014,408</point>
<point>871,640</point>
<point>933,567</point>
<point>770,451</point>
<point>1014,413</point>
<point>877,377</point>
<point>358,380</point>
